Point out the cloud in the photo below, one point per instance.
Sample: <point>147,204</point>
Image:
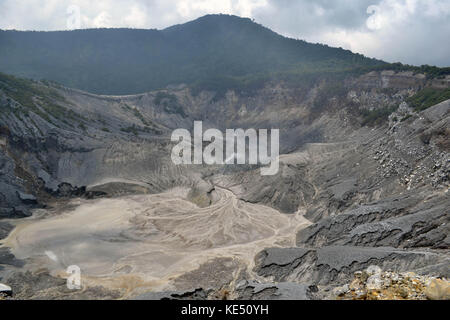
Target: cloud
<point>410,31</point>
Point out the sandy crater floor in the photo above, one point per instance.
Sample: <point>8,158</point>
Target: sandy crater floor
<point>144,242</point>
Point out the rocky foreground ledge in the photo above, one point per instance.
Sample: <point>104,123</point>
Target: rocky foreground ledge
<point>374,284</point>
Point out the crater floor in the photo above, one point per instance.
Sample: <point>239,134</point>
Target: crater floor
<point>144,242</point>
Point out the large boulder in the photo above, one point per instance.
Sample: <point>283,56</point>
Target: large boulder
<point>438,290</point>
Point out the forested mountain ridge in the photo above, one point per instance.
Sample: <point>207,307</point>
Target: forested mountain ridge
<point>218,49</point>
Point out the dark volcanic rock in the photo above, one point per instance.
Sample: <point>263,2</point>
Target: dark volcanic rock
<point>11,190</point>
<point>279,291</point>
<point>333,265</point>
<point>27,198</point>
<point>7,258</point>
<point>404,221</point>
<point>5,229</point>
<point>196,294</point>
<point>280,257</point>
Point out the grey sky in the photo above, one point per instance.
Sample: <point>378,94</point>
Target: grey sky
<point>409,31</point>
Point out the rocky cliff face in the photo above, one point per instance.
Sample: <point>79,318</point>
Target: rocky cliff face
<point>373,194</point>
<point>391,79</point>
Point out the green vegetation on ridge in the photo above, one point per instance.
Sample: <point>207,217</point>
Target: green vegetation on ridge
<point>214,51</point>
<point>39,98</point>
<point>428,97</point>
